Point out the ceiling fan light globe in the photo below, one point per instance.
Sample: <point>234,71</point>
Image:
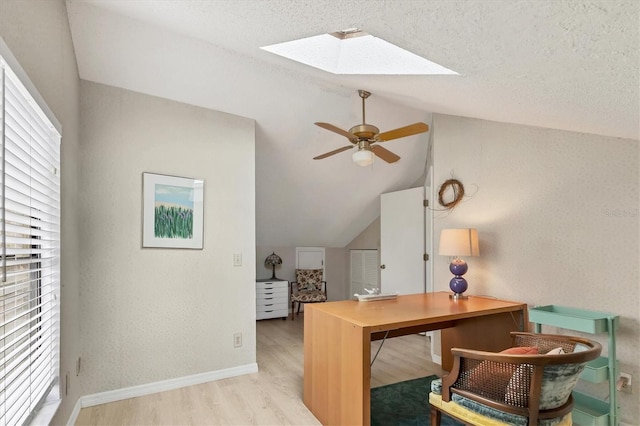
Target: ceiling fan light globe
<point>363,158</point>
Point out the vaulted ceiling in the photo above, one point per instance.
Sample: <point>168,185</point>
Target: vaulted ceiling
<point>571,65</point>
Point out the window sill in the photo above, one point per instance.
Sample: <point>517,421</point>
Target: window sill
<point>49,407</point>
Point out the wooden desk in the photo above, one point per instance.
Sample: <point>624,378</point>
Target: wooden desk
<point>338,335</point>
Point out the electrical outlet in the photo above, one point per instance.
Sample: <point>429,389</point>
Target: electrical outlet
<point>624,381</point>
<point>237,259</point>
<point>237,340</point>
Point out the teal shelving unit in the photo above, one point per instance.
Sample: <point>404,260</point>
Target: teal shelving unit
<point>588,411</point>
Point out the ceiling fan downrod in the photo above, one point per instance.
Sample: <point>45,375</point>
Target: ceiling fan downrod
<point>364,95</point>
<point>364,131</point>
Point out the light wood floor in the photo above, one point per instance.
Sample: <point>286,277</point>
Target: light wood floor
<point>273,396</point>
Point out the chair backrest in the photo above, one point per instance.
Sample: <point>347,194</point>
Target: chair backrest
<point>559,376</point>
<point>309,279</point>
<point>522,382</point>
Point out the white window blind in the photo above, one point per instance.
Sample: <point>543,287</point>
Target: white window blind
<point>30,252</point>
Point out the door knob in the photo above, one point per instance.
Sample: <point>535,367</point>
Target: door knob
<point>383,266</point>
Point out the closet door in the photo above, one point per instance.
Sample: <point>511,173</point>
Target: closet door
<point>364,271</point>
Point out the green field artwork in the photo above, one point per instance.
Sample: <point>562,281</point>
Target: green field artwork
<point>173,212</point>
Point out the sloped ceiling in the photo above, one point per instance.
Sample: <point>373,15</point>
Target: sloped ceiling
<point>571,65</point>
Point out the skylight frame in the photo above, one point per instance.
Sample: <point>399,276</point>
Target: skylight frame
<point>355,52</point>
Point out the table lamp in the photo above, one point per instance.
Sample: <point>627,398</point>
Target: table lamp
<point>456,243</point>
<point>272,260</point>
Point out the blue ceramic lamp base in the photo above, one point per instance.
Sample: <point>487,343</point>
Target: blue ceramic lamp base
<point>458,284</point>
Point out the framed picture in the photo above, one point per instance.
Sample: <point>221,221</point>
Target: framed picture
<point>172,211</point>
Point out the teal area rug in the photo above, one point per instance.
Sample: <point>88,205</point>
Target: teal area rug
<point>404,404</point>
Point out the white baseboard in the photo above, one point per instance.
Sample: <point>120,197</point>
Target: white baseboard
<point>164,385</point>
<point>74,414</point>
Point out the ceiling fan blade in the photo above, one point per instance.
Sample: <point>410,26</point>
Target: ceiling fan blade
<point>411,129</point>
<point>385,154</point>
<point>329,154</point>
<point>338,130</point>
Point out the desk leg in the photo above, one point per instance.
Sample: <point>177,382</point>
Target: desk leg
<point>337,376</point>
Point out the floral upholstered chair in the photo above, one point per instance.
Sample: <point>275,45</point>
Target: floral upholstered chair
<point>307,288</point>
<point>529,384</point>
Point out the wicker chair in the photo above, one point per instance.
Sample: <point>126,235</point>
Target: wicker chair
<point>516,386</point>
<point>307,288</point>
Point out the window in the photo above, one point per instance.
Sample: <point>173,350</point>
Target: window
<point>30,245</point>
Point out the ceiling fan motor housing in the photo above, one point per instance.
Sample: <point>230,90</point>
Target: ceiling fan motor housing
<point>364,131</point>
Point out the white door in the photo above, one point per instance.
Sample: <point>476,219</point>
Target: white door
<point>364,271</point>
<point>310,258</point>
<point>402,244</point>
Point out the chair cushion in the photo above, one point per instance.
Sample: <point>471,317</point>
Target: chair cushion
<point>460,412</point>
<point>436,386</point>
<point>309,279</point>
<point>474,418</point>
<point>507,418</point>
<point>521,350</point>
<point>309,296</point>
<point>478,414</point>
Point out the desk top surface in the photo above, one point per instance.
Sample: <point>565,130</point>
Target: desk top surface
<point>414,309</point>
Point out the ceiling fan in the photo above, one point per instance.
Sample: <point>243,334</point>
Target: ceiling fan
<point>365,136</point>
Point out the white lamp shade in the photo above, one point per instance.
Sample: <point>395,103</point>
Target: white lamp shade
<point>363,157</point>
<point>459,242</point>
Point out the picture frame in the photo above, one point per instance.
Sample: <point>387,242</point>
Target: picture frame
<point>172,212</point>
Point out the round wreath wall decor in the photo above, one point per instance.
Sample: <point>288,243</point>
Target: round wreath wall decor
<point>453,186</point>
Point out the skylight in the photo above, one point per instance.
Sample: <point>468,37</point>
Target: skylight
<point>353,51</point>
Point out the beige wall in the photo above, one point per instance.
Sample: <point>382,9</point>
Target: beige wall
<point>38,35</point>
<point>368,239</point>
<point>155,314</point>
<point>557,217</point>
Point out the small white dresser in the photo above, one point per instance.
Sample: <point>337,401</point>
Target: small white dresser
<point>272,299</point>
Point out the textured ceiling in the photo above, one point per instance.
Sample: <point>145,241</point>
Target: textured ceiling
<point>571,65</point>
